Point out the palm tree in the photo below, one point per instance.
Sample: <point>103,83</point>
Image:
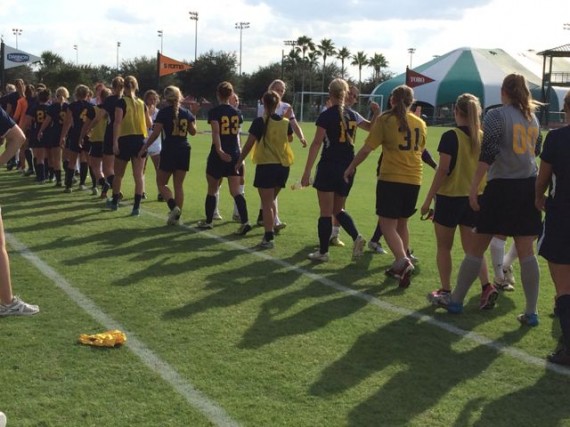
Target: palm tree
<point>293,63</point>
<point>304,44</point>
<point>343,54</point>
<point>360,60</point>
<point>312,64</point>
<point>327,49</point>
<point>377,62</point>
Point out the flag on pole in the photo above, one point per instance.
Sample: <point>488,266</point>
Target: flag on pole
<point>13,57</point>
<point>414,78</point>
<point>168,65</point>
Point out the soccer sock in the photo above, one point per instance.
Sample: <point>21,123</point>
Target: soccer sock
<point>115,198</point>
<point>563,304</point>
<point>497,249</point>
<point>83,172</point>
<point>65,164</point>
<point>210,207</point>
<point>137,203</point>
<point>260,215</point>
<point>40,172</point>
<point>276,207</point>
<point>468,272</point>
<point>217,196</point>
<point>110,180</point>
<point>57,174</point>
<point>69,177</point>
<point>93,179</point>
<point>346,222</point>
<point>530,276</point>
<point>29,159</point>
<point>171,204</point>
<point>324,228</point>
<point>377,234</point>
<point>50,172</point>
<point>335,231</point>
<point>510,257</point>
<point>268,236</point>
<point>242,208</point>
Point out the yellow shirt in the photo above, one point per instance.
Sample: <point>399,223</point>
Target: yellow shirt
<point>134,122</point>
<point>401,151</point>
<point>274,147</point>
<point>97,134</point>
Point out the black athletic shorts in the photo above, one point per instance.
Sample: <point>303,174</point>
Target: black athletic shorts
<point>173,159</point>
<point>330,177</point>
<point>396,200</point>
<point>554,243</point>
<point>271,176</point>
<point>453,211</point>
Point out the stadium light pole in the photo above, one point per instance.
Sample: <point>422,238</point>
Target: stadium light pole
<point>194,17</point>
<point>411,51</point>
<point>161,35</point>
<point>17,32</point>
<point>241,26</point>
<point>76,48</point>
<point>118,46</point>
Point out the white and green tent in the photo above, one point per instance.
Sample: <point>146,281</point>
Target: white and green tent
<point>477,71</point>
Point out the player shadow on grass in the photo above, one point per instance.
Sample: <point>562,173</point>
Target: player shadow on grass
<point>422,363</point>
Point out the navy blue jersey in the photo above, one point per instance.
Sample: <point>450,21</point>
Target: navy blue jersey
<point>339,137</point>
<point>6,122</point>
<point>81,111</point>
<point>556,152</point>
<point>38,113</point>
<point>57,113</point>
<point>229,120</point>
<point>10,99</point>
<point>175,131</point>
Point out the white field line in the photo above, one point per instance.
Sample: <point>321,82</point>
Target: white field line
<point>472,336</point>
<point>194,397</point>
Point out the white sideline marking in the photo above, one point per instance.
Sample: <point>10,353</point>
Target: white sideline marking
<point>193,396</point>
<point>473,336</point>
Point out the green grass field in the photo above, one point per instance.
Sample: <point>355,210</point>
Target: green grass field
<point>220,334</point>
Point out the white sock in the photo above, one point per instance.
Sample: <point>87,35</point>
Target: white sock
<point>335,231</point>
<point>497,248</point>
<point>510,257</point>
<point>217,195</point>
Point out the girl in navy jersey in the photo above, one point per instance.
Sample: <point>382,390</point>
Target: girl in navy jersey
<point>79,114</point>
<point>130,128</point>
<point>272,135</point>
<point>459,151</point>
<point>117,87</point>
<point>175,123</point>
<point>554,244</point>
<point>335,128</point>
<point>51,131</point>
<point>225,121</point>
<point>511,141</point>
<point>35,116</point>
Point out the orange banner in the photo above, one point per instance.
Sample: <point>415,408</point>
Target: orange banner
<point>414,78</point>
<point>168,65</point>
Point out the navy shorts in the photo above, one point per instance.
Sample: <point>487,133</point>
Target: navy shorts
<point>130,146</point>
<point>271,176</point>
<point>177,159</point>
<point>96,149</point>
<point>396,200</point>
<point>453,211</point>
<point>330,178</point>
<point>507,208</point>
<point>554,243</point>
<point>217,168</point>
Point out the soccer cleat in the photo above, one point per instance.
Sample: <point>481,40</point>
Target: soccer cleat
<point>318,256</point>
<point>405,274</point>
<point>136,212</point>
<point>67,190</point>
<point>278,227</point>
<point>18,308</point>
<point>217,216</point>
<point>243,229</point>
<point>503,285</point>
<point>489,296</point>
<point>203,225</point>
<point>82,187</point>
<point>94,191</point>
<point>412,257</point>
<point>174,216</point>
<point>358,247</point>
<point>528,319</point>
<point>376,248</point>
<point>509,276</point>
<point>439,298</point>
<point>335,241</point>
<point>266,244</point>
<point>560,357</point>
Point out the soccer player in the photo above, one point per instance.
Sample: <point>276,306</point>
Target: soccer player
<point>459,150</point>
<point>130,128</point>
<point>117,88</point>
<point>511,141</point>
<point>35,116</point>
<point>151,100</point>
<point>402,136</point>
<point>335,127</point>
<point>225,121</point>
<point>554,244</point>
<point>175,123</point>
<point>51,131</point>
<point>273,156</point>
<point>10,305</point>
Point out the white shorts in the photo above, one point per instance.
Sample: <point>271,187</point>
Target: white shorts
<point>156,146</point>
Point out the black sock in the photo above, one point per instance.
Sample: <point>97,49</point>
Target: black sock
<point>69,177</point>
<point>65,164</point>
<point>110,180</point>
<point>83,168</point>
<point>324,228</point>
<point>210,207</point>
<point>29,159</point>
<point>268,236</point>
<point>115,198</point>
<point>57,174</point>
<point>260,216</point>
<point>40,172</point>
<point>346,222</point>
<point>137,204</point>
<point>377,234</point>
<point>171,204</point>
<point>242,208</point>
<point>563,305</point>
<point>93,179</point>
<point>50,172</point>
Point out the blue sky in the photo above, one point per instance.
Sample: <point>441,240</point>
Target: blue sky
<point>389,27</point>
